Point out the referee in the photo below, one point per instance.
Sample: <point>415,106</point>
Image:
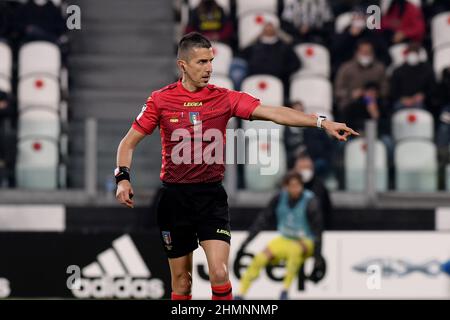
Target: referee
<point>193,208</point>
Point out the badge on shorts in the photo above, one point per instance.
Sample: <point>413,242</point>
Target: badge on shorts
<point>167,239</point>
<point>194,118</point>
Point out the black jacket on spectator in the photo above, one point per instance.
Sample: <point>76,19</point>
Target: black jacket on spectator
<point>278,59</point>
<point>408,80</point>
<point>40,22</point>
<point>344,46</point>
<point>5,20</point>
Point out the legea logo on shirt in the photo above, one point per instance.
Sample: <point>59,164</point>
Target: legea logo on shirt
<point>193,104</point>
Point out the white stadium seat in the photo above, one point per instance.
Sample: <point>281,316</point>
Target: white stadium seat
<point>37,91</point>
<point>398,54</point>
<point>343,21</point>
<point>269,90</point>
<point>5,85</point>
<point>412,123</point>
<point>416,166</point>
<point>251,26</point>
<point>314,92</point>
<point>5,67</point>
<point>248,6</point>
<point>223,55</point>
<point>39,57</point>
<point>222,81</point>
<point>315,60</point>
<point>269,154</point>
<point>441,60</point>
<point>265,87</point>
<point>355,164</point>
<point>225,4</point>
<point>37,164</point>
<point>39,123</point>
<point>440,30</point>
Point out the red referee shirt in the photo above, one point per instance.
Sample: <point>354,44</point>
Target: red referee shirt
<point>173,107</point>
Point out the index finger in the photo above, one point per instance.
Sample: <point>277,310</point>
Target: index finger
<point>350,130</point>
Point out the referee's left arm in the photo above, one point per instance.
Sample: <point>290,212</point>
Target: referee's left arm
<point>290,117</point>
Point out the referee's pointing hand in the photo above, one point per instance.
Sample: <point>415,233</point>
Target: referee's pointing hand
<point>124,193</point>
<point>338,130</point>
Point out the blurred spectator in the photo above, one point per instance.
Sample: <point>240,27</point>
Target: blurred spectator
<point>403,22</point>
<point>434,7</point>
<point>5,20</point>
<point>345,43</point>
<point>308,20</point>
<point>367,106</point>
<point>413,82</point>
<point>40,20</point>
<point>270,55</point>
<point>210,19</point>
<point>443,133</point>
<point>305,166</point>
<point>316,142</point>
<point>353,75</point>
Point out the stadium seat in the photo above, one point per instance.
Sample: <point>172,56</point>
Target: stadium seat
<point>5,67</point>
<point>225,4</point>
<point>222,81</point>
<point>37,164</point>
<point>267,156</point>
<point>355,164</point>
<point>398,54</point>
<point>222,58</point>
<point>440,30</point>
<point>244,7</point>
<point>269,90</point>
<point>314,92</point>
<point>38,91</point>
<point>412,123</point>
<point>441,60</point>
<point>39,123</point>
<point>39,57</point>
<point>416,166</point>
<point>251,26</point>
<point>343,21</point>
<point>447,177</point>
<point>315,60</point>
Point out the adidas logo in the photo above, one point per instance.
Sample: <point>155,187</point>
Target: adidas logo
<point>119,272</point>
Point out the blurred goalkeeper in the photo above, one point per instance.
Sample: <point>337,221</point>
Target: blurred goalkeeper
<point>299,221</point>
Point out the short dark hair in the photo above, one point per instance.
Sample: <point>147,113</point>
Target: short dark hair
<point>192,40</point>
<point>291,175</point>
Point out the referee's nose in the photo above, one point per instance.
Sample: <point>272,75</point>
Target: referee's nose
<point>209,67</point>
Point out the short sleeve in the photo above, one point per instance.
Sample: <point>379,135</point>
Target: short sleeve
<point>148,119</point>
<point>242,104</point>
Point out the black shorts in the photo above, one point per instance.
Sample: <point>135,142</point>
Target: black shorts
<point>189,213</point>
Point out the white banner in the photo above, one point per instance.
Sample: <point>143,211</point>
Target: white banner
<point>360,265</point>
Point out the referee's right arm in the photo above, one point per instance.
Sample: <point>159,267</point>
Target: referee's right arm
<point>125,150</point>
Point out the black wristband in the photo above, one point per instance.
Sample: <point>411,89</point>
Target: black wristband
<point>122,173</point>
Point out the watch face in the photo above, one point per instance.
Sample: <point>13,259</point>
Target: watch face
<point>116,171</point>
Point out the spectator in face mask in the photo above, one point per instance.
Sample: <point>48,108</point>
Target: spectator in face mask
<point>40,20</point>
<point>344,44</point>
<point>412,82</point>
<point>305,166</point>
<point>316,142</point>
<point>271,55</point>
<point>353,75</point>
